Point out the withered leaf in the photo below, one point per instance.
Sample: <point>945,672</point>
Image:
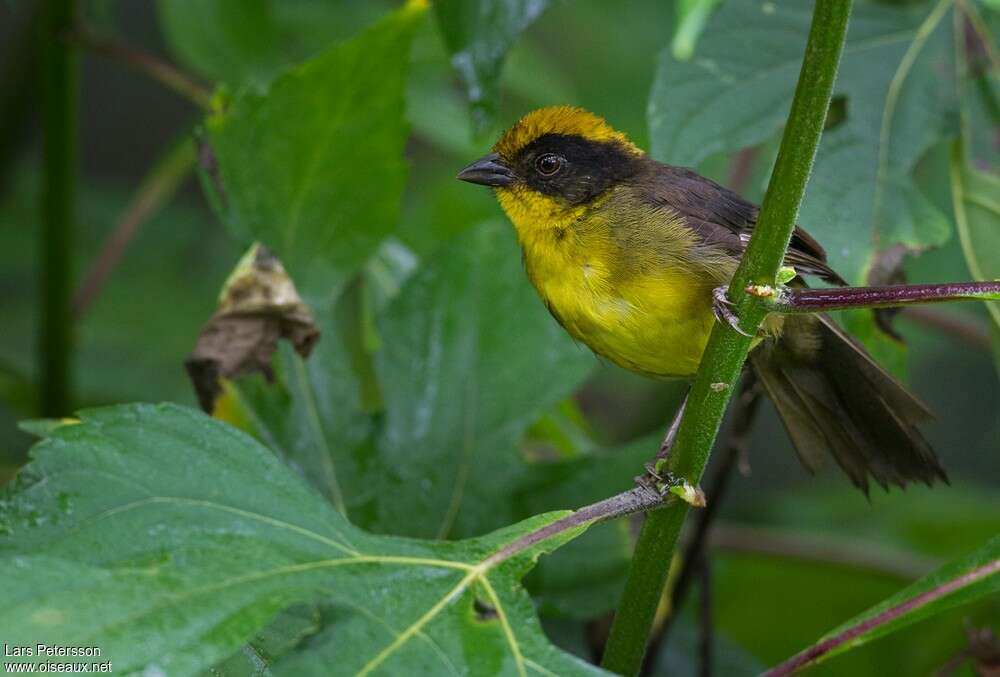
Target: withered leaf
<point>258,306</point>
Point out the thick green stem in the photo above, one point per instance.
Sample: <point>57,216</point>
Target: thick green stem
<point>59,104</point>
<point>727,349</point>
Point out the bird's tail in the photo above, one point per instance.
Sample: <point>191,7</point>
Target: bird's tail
<point>832,397</point>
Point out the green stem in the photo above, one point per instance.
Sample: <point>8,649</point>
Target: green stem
<point>59,104</point>
<point>727,349</point>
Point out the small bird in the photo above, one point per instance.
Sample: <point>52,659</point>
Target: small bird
<point>627,252</point>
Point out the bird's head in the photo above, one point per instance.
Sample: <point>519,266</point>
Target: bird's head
<point>553,164</point>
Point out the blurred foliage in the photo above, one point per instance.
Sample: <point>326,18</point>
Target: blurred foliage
<point>896,77</point>
<point>977,215</point>
<point>133,340</point>
<point>466,340</point>
<point>251,41</point>
<point>478,34</point>
<point>284,155</point>
<point>442,402</point>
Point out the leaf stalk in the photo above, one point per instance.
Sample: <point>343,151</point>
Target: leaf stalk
<point>792,301</point>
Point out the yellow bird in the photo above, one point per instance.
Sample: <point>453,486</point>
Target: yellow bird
<point>627,252</point>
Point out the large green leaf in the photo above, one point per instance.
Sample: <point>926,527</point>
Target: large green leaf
<point>167,539</point>
<point>312,166</point>
<point>478,34</point>
<point>468,361</point>
<point>250,41</point>
<point>897,77</point>
<point>132,341</point>
<point>471,359</point>
<point>311,413</point>
<point>585,578</point>
<point>972,577</point>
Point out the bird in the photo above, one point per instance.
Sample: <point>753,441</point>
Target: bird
<point>627,254</point>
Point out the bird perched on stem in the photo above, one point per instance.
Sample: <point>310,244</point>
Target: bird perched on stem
<point>627,254</point>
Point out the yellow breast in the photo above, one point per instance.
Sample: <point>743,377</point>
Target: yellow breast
<point>637,307</point>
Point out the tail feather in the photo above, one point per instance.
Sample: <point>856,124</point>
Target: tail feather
<point>833,398</point>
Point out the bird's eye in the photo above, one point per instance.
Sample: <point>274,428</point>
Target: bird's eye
<point>548,164</point>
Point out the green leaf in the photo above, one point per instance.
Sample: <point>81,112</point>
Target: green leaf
<point>469,361</point>
<point>165,285</point>
<point>478,34</point>
<point>897,76</point>
<point>682,654</point>
<point>992,4</point>
<point>920,520</point>
<point>251,41</point>
<point>168,539</point>
<point>585,578</point>
<point>312,166</point>
<point>976,199</point>
<point>273,642</point>
<point>972,577</point>
<point>863,550</point>
<point>312,415</point>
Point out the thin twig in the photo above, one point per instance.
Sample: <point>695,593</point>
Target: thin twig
<point>155,191</point>
<point>825,646</point>
<point>145,64</point>
<point>668,438</point>
<point>953,325</point>
<point>820,548</point>
<point>705,638</point>
<point>637,499</point>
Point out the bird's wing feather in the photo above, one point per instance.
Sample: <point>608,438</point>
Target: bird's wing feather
<point>721,217</point>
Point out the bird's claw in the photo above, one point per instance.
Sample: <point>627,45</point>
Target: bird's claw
<point>722,307</point>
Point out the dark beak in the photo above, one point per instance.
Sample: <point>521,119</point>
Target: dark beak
<point>488,170</point>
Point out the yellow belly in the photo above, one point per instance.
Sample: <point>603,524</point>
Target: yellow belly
<point>619,278</point>
<point>654,325</point>
<point>654,322</point>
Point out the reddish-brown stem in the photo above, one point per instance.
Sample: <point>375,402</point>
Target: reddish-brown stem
<point>158,187</point>
<point>970,330</point>
<point>789,300</point>
<point>820,649</point>
<point>146,64</point>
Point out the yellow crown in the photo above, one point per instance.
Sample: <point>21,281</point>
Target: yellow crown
<point>567,120</point>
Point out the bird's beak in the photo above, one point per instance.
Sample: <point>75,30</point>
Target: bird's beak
<point>488,170</point>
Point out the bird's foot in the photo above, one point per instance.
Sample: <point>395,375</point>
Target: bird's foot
<point>722,307</point>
